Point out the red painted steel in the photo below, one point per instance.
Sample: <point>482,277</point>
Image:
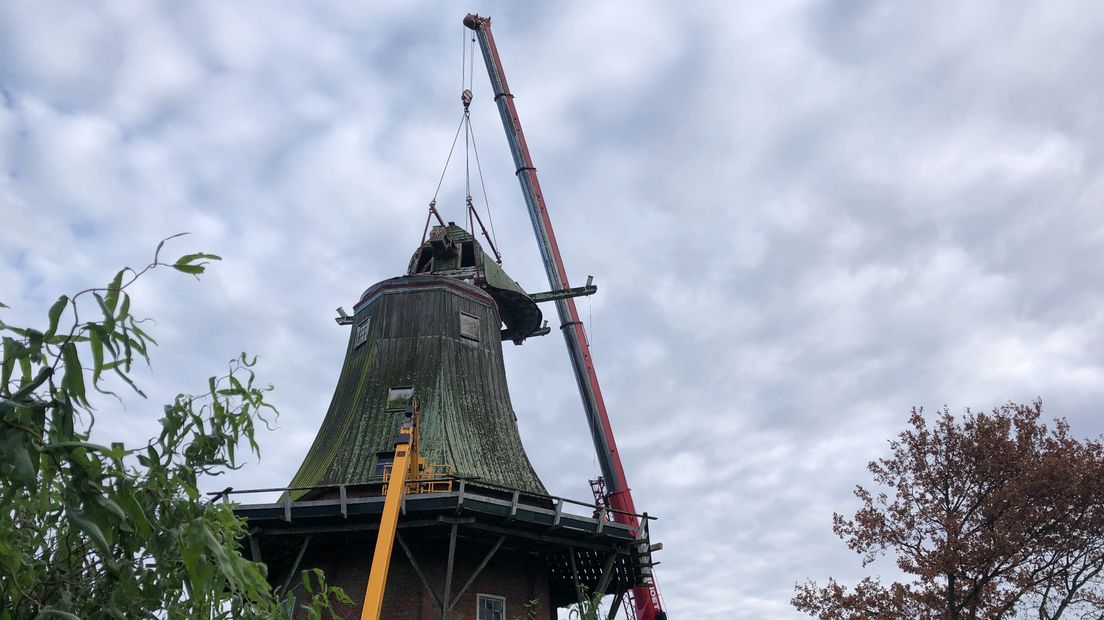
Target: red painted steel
<point>648,604</point>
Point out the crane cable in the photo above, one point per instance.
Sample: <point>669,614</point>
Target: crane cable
<point>467,71</point>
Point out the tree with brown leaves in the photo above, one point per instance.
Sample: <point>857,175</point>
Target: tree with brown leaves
<point>995,515</point>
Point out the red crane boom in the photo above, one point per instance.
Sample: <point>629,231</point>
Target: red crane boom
<point>646,597</point>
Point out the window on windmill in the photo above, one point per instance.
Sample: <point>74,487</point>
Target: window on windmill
<point>397,397</point>
<point>467,254</point>
<point>469,327</point>
<point>361,331</point>
<point>489,607</point>
<point>383,462</point>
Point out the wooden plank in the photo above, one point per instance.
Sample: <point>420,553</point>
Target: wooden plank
<point>418,570</point>
<point>478,570</point>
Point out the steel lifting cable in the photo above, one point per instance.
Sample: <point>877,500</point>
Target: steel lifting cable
<point>493,237</point>
<point>447,160</point>
<point>483,184</point>
<point>467,73</point>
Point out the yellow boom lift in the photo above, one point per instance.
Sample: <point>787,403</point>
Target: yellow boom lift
<point>408,469</point>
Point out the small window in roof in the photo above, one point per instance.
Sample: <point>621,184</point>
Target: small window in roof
<point>467,254</point>
<point>397,397</point>
<point>469,327</point>
<point>361,331</point>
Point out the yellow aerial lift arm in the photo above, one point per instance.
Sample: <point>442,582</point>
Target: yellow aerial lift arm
<point>404,467</point>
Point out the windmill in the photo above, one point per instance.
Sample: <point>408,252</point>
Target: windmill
<point>417,496</point>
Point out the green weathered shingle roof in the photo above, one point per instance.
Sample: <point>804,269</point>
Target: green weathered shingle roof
<point>413,338</point>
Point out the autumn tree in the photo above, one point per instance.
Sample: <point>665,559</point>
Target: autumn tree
<point>99,529</point>
<point>993,515</point>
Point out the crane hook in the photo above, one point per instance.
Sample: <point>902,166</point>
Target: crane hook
<point>466,98</point>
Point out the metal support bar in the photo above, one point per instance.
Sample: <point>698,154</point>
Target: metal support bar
<point>417,569</point>
<point>344,503</point>
<point>295,565</point>
<point>559,513</point>
<point>478,570</point>
<point>287,507</point>
<point>448,571</point>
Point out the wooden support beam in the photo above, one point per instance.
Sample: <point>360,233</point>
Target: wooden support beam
<point>575,579</point>
<point>615,605</point>
<point>295,566</point>
<point>417,569</point>
<point>607,572</point>
<point>564,293</point>
<point>448,571</point>
<point>255,545</point>
<point>478,569</point>
<point>344,503</point>
<point>513,507</point>
<point>352,527</point>
<point>520,533</point>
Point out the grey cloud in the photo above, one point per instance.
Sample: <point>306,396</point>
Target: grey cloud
<point>803,221</point>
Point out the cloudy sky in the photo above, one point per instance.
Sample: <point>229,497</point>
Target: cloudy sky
<point>804,218</point>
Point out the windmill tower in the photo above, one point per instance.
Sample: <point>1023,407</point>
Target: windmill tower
<point>421,423</point>
<point>479,537</point>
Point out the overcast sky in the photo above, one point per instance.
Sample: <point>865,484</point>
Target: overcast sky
<point>803,218</point>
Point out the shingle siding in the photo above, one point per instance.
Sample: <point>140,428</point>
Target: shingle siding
<point>414,339</point>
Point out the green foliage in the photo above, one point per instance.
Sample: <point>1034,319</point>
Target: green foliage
<point>109,531</point>
<point>531,608</point>
<point>589,606</point>
<point>321,596</point>
<point>991,515</point>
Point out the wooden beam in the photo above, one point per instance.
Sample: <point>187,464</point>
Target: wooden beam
<point>255,545</point>
<point>478,569</point>
<point>332,529</point>
<point>575,579</point>
<point>519,533</point>
<point>607,572</point>
<point>615,605</point>
<point>295,566</point>
<point>513,507</point>
<point>448,570</point>
<point>417,569</point>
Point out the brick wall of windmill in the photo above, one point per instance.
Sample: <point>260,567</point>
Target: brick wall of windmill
<point>517,577</point>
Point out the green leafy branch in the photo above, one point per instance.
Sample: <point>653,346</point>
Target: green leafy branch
<point>94,530</point>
